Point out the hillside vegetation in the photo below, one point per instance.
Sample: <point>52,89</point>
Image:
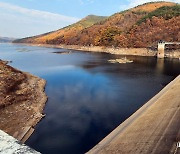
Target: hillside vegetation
<point>65,33</point>
<point>167,12</point>
<point>141,26</point>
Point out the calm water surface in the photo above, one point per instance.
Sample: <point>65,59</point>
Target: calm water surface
<point>88,97</point>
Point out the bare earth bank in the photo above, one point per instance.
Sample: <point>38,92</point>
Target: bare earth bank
<point>109,50</point>
<point>22,100</point>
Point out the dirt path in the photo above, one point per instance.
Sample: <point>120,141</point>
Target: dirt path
<point>22,100</point>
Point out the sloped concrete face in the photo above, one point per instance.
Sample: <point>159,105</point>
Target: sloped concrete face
<point>9,145</point>
<point>153,129</point>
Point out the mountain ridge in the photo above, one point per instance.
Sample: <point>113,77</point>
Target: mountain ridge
<point>6,39</point>
<point>74,28</point>
<point>122,29</point>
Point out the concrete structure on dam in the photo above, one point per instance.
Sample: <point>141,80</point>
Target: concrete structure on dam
<point>153,129</point>
<point>9,145</point>
<point>161,48</point>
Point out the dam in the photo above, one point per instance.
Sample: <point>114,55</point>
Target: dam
<point>154,128</point>
<point>161,48</point>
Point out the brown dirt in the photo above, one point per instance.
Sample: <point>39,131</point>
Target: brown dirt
<point>22,100</point>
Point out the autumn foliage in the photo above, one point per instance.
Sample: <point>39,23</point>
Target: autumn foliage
<point>142,26</point>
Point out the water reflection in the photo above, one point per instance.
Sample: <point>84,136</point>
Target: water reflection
<point>160,65</point>
<point>78,99</point>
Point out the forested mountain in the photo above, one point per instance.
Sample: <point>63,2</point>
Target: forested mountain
<point>141,26</point>
<point>66,33</point>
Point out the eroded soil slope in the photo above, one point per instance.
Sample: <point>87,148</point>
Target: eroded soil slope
<point>22,100</point>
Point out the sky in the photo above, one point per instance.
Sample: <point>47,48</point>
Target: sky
<point>24,18</point>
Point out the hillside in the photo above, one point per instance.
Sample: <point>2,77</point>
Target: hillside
<point>65,33</point>
<point>141,26</point>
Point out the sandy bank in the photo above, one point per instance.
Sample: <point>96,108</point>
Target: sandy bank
<point>116,51</point>
<point>22,100</point>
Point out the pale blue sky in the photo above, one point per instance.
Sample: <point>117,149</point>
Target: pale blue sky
<point>22,18</point>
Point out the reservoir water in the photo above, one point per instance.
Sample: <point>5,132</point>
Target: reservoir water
<point>87,96</point>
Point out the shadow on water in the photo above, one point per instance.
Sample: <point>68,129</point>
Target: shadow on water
<point>88,97</point>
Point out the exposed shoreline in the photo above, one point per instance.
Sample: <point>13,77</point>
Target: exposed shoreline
<point>115,51</point>
<point>22,101</point>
